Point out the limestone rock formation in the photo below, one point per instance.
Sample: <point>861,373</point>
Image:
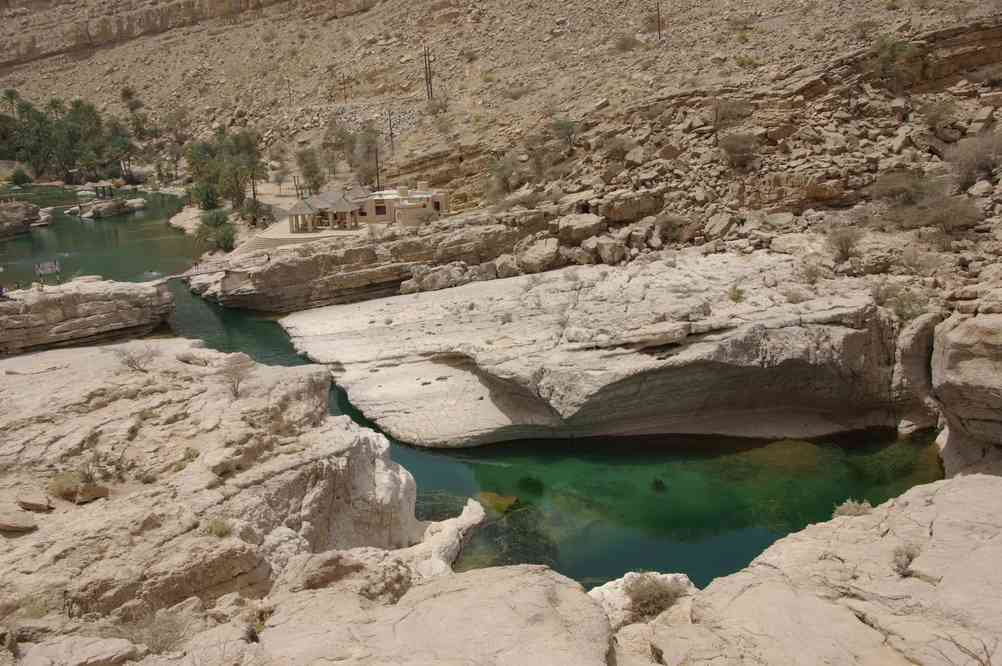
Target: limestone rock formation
<point>914,582</point>
<point>967,382</point>
<point>510,616</point>
<point>213,489</point>
<point>670,345</point>
<point>16,218</point>
<point>83,311</point>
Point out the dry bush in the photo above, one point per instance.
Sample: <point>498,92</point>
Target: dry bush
<point>746,61</point>
<point>842,240</point>
<point>740,149</point>
<point>517,92</point>
<point>902,187</point>
<point>852,507</point>
<point>976,159</point>
<point>810,271</point>
<point>438,105</point>
<point>903,302</point>
<point>893,62</point>
<point>137,360</point>
<point>939,113</point>
<point>946,213</point>
<point>160,632</point>
<point>66,485</point>
<point>736,294</point>
<point>218,528</point>
<point>650,595</point>
<point>903,557</point>
<point>863,30</point>
<point>727,112</point>
<point>795,295</point>
<point>234,371</point>
<point>626,42</point>
<point>917,261</point>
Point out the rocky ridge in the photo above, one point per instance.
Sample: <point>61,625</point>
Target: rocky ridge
<point>83,311</point>
<point>16,218</point>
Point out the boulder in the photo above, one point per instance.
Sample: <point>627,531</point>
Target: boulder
<point>16,520</point>
<point>572,229</point>
<point>540,255</point>
<point>610,250</point>
<point>109,208</point>
<point>16,218</point>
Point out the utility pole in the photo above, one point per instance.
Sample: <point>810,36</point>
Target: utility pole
<point>429,88</point>
<point>659,20</point>
<point>389,122</point>
<point>379,185</point>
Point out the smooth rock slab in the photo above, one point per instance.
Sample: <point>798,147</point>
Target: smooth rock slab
<point>657,347</point>
<point>15,520</point>
<point>82,651</point>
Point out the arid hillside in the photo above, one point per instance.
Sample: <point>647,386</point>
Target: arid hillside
<point>501,70</point>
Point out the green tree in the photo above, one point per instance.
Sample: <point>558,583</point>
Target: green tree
<point>309,168</point>
<point>19,177</point>
<point>11,98</point>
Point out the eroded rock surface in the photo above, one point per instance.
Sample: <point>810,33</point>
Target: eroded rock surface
<point>967,380</point>
<point>671,345</point>
<point>83,311</point>
<point>212,489</point>
<point>914,582</point>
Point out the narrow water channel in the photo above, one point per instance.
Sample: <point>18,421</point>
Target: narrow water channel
<point>592,509</point>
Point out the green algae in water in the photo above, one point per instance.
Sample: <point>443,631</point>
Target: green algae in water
<point>592,509</point>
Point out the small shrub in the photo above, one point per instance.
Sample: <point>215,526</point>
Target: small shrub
<point>205,196</point>
<point>852,507</point>
<point>728,112</point>
<point>137,360</point>
<point>161,632</point>
<point>20,177</point>
<point>810,272</point>
<point>976,159</point>
<point>650,596</point>
<point>917,261</point>
<point>438,106</point>
<point>234,371</point>
<point>34,608</point>
<point>903,302</point>
<point>903,557</point>
<point>892,62</point>
<point>565,129</point>
<point>903,188</point>
<point>863,30</point>
<point>65,485</point>
<point>939,113</point>
<point>218,528</point>
<point>625,42</point>
<point>795,295</point>
<point>501,170</point>
<point>740,149</point>
<point>517,92</point>
<point>842,240</point>
<point>746,61</point>
<point>736,294</point>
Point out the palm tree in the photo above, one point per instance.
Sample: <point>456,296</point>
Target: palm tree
<point>55,107</point>
<point>11,97</point>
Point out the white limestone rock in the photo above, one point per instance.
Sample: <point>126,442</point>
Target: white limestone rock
<point>654,347</point>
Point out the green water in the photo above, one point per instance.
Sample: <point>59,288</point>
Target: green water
<point>592,509</point>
